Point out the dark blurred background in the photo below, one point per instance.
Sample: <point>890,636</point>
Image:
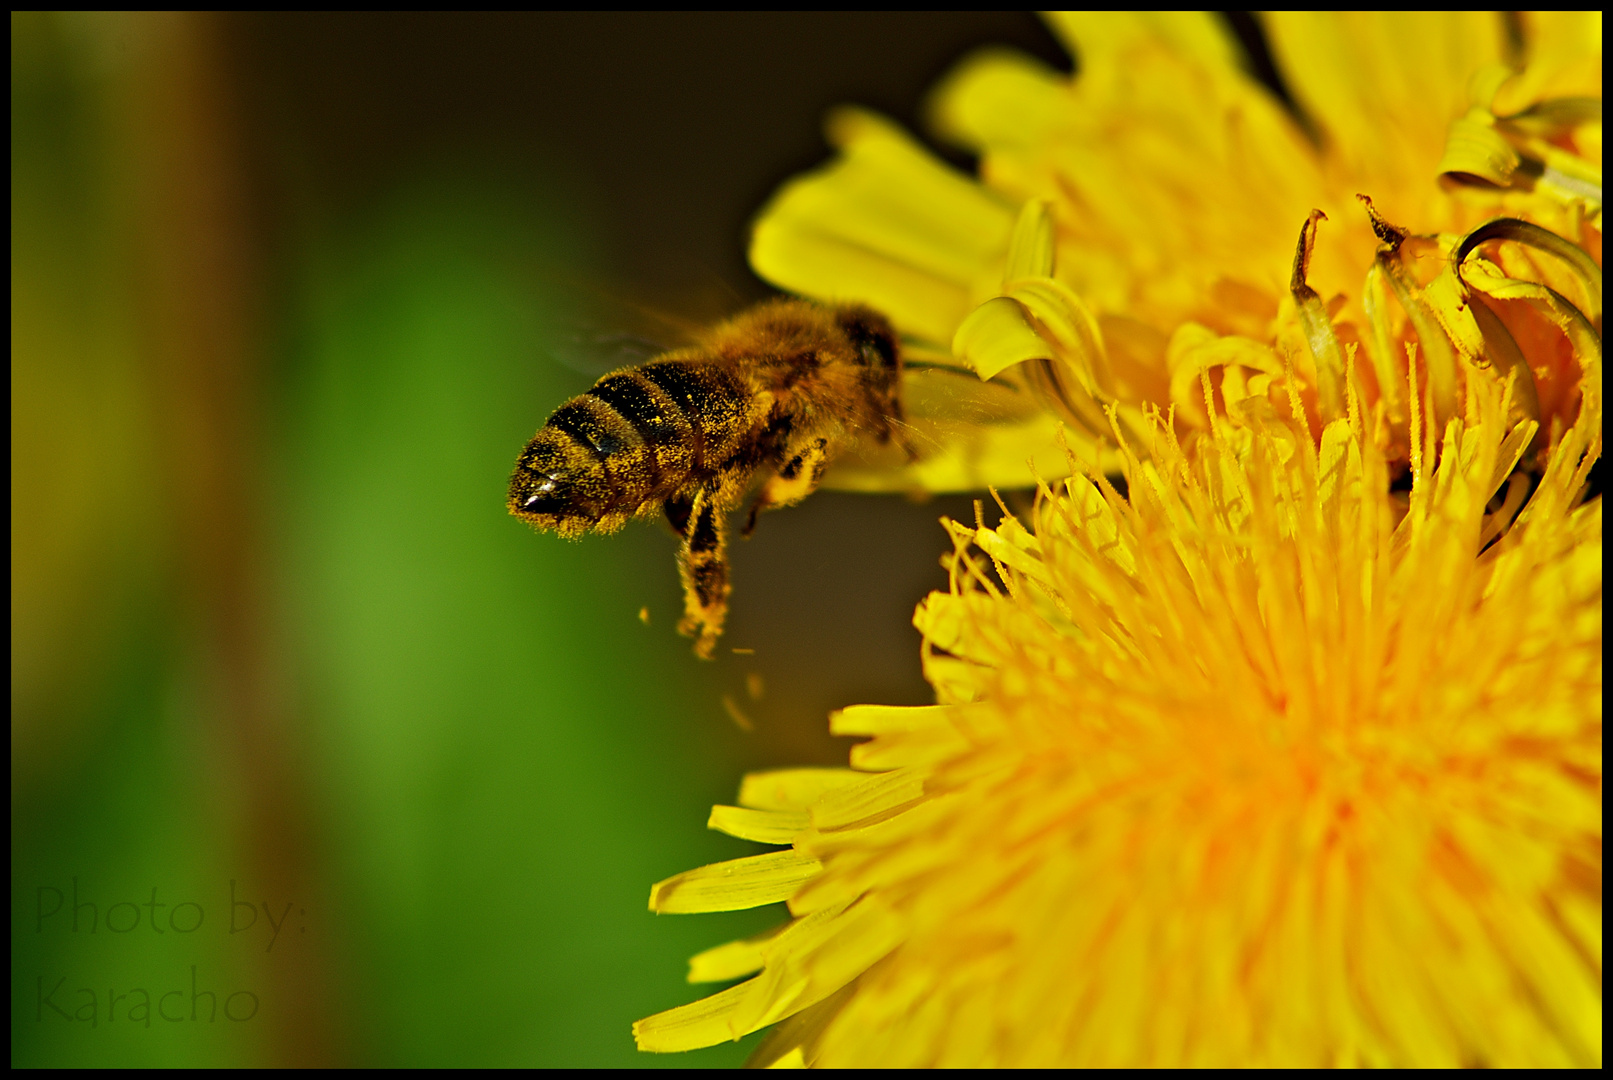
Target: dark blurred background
<point>318,757</point>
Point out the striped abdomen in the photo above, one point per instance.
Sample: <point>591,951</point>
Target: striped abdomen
<point>632,441</point>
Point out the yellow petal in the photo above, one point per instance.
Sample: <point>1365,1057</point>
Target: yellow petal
<point>689,1027</point>
<point>1005,457</point>
<point>913,749</point>
<point>792,789</point>
<point>952,623</point>
<point>888,224</point>
<point>1475,149</point>
<point>997,97</point>
<point>996,336</point>
<point>815,957</point>
<point>793,1058</point>
<point>1065,318</point>
<point>1031,247</point>
<point>1385,85</point>
<point>762,826</point>
<point>875,795</point>
<point>1195,350</point>
<point>1564,59</point>
<point>732,960</point>
<point>736,884</point>
<point>1100,38</point>
<point>886,719</point>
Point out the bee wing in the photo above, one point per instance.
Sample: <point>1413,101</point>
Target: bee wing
<point>600,331</point>
<point>967,435</point>
<point>595,351</point>
<point>947,394</point>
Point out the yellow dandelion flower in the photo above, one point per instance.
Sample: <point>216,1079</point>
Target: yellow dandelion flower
<point>1271,760</point>
<point>1173,184</point>
<point>1256,767</point>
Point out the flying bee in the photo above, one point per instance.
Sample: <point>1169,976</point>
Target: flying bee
<point>765,400</point>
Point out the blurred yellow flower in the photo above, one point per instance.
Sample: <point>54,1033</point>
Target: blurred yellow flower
<point>1273,760</point>
<point>1174,186</point>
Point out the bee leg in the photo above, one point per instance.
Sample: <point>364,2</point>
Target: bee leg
<point>797,478</point>
<point>703,566</point>
<point>678,508</point>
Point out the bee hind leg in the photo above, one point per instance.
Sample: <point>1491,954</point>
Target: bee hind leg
<point>797,478</point>
<point>703,567</point>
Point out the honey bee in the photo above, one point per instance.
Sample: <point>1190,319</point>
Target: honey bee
<point>764,401</point>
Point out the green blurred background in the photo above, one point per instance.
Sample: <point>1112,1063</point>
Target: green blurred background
<point>314,748</point>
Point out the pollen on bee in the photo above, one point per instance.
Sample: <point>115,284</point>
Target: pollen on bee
<point>769,395</point>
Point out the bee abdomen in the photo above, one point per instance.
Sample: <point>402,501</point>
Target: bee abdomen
<point>651,429</point>
<point>582,468</point>
<point>667,434</point>
<point>716,404</point>
<point>630,443</point>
